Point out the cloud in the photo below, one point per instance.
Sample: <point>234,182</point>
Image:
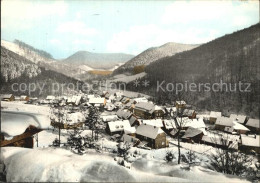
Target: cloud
<point>76,27</point>
<point>139,38</point>
<point>183,12</point>
<point>22,14</point>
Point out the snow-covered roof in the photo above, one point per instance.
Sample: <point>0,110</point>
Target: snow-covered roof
<point>145,106</point>
<point>91,96</point>
<point>109,118</point>
<point>214,114</point>
<point>224,121</point>
<point>238,118</point>
<point>238,126</point>
<point>6,96</point>
<point>129,139</point>
<point>129,130</point>
<point>181,102</point>
<point>97,100</point>
<point>141,99</point>
<point>15,123</point>
<point>191,132</point>
<point>195,123</point>
<point>153,122</point>
<point>75,117</point>
<point>188,112</point>
<point>116,126</point>
<point>23,97</point>
<point>250,140</point>
<point>148,131</point>
<point>76,99</point>
<point>253,123</point>
<point>169,124</point>
<point>50,97</point>
<point>125,114</point>
<point>132,119</point>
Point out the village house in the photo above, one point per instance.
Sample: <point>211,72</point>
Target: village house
<point>134,121</point>
<point>117,127</point>
<point>50,97</point>
<point>236,128</point>
<point>189,113</point>
<point>7,97</point>
<point>239,118</point>
<point>144,110</point>
<point>253,125</point>
<point>123,114</point>
<point>130,131</point>
<point>141,99</point>
<point>130,140</point>
<point>249,143</point>
<point>97,102</point>
<point>110,107</point>
<point>153,122</point>
<point>124,100</point>
<point>169,125</point>
<point>222,123</point>
<point>180,104</point>
<point>108,118</point>
<point>158,112</point>
<point>154,136</point>
<point>17,98</point>
<point>24,98</point>
<point>213,116</point>
<point>193,135</point>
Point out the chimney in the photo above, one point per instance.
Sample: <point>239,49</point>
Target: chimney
<point>154,126</point>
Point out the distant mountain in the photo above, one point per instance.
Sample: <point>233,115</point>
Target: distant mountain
<point>152,54</point>
<point>231,59</point>
<point>104,61</point>
<point>18,69</point>
<point>42,58</point>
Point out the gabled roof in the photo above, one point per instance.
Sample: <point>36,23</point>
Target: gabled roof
<point>250,140</point>
<point>224,121</point>
<point>238,118</point>
<point>115,126</point>
<point>169,124</point>
<point>97,100</point>
<point>194,123</point>
<point>215,114</point>
<point>148,131</point>
<point>188,112</point>
<point>125,114</point>
<point>238,126</point>
<point>6,95</point>
<point>253,123</point>
<point>145,106</point>
<point>109,118</point>
<point>133,119</point>
<point>181,102</point>
<point>191,132</point>
<point>141,99</point>
<point>154,122</point>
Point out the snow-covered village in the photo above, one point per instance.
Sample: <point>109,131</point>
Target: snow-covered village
<point>149,108</point>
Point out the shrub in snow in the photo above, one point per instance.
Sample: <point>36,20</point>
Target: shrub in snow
<point>169,156</point>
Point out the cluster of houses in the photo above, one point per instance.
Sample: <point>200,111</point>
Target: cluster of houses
<point>135,119</point>
<point>11,97</point>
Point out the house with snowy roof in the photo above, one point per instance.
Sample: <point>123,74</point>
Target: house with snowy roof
<point>131,140</point>
<point>154,136</point>
<point>140,99</point>
<point>180,104</point>
<point>98,102</point>
<point>193,135</point>
<point>117,127</point>
<point>253,125</point>
<point>124,114</point>
<point>236,128</point>
<point>7,97</point>
<point>189,113</point>
<point>239,118</point>
<point>169,124</point>
<point>134,121</point>
<point>144,110</point>
<point>213,116</point>
<point>153,122</point>
<point>222,123</point>
<point>24,98</point>
<point>107,118</point>
<point>249,143</point>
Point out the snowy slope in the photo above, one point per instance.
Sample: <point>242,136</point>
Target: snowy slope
<point>25,52</point>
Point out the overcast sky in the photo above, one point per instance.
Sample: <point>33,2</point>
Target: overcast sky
<point>64,27</point>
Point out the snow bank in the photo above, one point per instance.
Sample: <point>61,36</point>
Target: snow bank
<point>15,123</point>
